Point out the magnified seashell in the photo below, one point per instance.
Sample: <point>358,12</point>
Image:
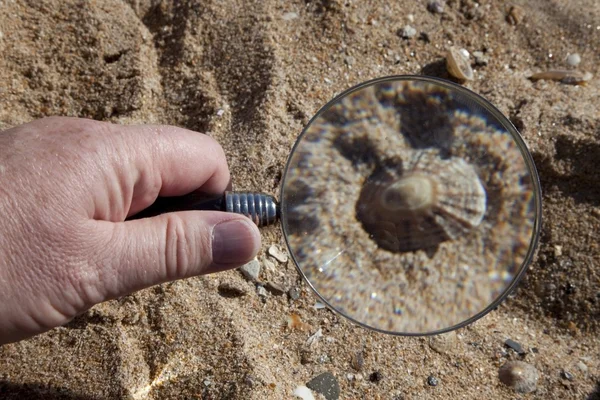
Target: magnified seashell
<point>422,203</point>
<point>458,65</point>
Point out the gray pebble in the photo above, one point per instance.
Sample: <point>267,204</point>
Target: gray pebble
<point>480,58</point>
<point>349,60</point>
<point>432,380</point>
<point>515,346</point>
<point>294,294</point>
<point>407,32</point>
<point>573,59</point>
<point>326,384</point>
<point>566,375</point>
<point>262,291</point>
<point>435,6</point>
<point>274,288</point>
<point>251,270</point>
<point>520,376</point>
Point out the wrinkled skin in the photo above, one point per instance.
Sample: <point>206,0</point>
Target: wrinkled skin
<point>66,187</point>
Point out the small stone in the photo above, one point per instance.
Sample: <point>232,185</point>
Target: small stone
<point>376,376</point>
<point>357,361</point>
<point>444,343</point>
<point>304,393</point>
<point>274,288</point>
<point>326,384</point>
<point>557,251</point>
<point>279,255</point>
<point>566,375</point>
<point>262,292</point>
<point>251,270</point>
<point>436,7</point>
<point>515,346</point>
<point>582,367</point>
<point>573,59</point>
<point>515,15</point>
<point>480,58</point>
<point>520,376</point>
<point>269,265</point>
<point>407,32</point>
<point>294,294</point>
<point>349,60</point>
<point>432,380</point>
<point>324,358</point>
<point>220,112</point>
<point>289,16</point>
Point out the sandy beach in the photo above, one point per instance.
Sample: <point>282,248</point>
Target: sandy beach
<point>251,74</point>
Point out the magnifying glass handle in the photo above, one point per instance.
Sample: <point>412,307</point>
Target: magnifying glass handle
<point>261,208</point>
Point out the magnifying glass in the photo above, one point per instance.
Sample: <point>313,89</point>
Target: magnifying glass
<point>409,204</point>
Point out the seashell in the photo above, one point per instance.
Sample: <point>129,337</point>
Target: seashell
<point>564,76</point>
<point>458,65</point>
<point>427,201</point>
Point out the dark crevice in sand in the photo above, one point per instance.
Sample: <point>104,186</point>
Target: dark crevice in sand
<point>187,91</point>
<point>579,176</point>
<point>32,391</point>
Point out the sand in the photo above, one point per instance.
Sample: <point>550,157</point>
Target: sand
<point>252,74</point>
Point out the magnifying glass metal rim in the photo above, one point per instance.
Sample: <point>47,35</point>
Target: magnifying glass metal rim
<point>516,135</point>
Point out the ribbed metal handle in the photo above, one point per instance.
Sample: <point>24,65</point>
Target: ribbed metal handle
<point>261,208</point>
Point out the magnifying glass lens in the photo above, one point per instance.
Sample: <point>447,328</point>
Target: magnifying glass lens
<point>410,205</point>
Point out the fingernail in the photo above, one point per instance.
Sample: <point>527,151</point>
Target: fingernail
<point>234,241</point>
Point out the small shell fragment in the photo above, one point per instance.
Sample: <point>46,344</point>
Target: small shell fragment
<point>563,76</point>
<point>458,65</point>
<point>279,255</point>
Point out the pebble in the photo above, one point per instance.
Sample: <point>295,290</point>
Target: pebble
<point>304,393</point>
<point>432,380</point>
<point>515,346</point>
<point>573,59</point>
<point>582,367</point>
<point>220,112</point>
<point>520,376</point>
<point>326,384</point>
<point>251,270</point>
<point>436,7</point>
<point>289,16</point>
<point>349,60</point>
<point>279,255</point>
<point>566,375</point>
<point>262,291</point>
<point>444,343</point>
<point>480,58</point>
<point>274,288</point>
<point>294,294</point>
<point>515,15</point>
<point>357,361</point>
<point>407,32</point>
<point>269,265</point>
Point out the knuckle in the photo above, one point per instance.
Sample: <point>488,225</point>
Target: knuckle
<point>181,246</point>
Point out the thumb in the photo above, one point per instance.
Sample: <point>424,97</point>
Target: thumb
<point>172,246</point>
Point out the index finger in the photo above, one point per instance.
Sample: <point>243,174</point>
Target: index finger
<point>172,161</point>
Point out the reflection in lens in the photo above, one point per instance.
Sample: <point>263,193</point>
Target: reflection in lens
<point>410,205</point>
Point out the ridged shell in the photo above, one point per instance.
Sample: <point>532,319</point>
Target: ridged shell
<point>458,65</point>
<point>426,201</point>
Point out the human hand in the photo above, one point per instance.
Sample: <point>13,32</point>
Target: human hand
<point>66,187</point>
